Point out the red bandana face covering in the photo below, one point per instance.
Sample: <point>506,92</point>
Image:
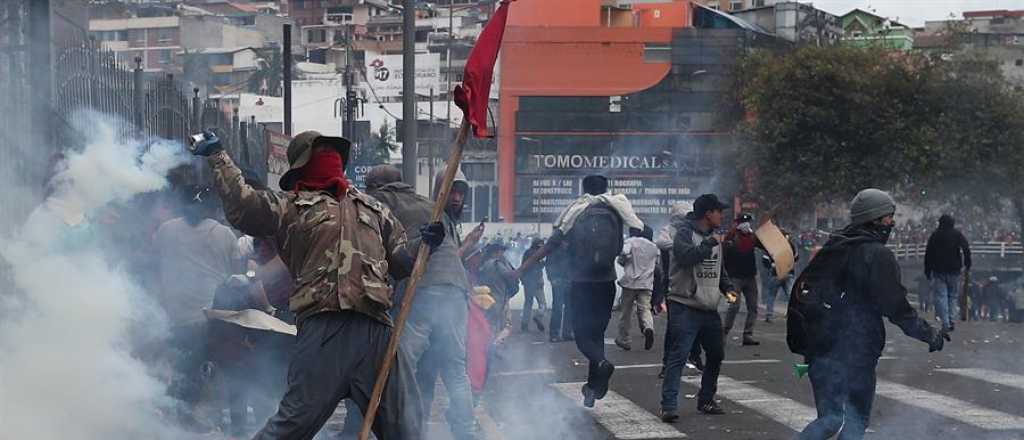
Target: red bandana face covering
<point>324,172</point>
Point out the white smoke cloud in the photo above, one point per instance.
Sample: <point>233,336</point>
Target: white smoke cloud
<point>67,324</point>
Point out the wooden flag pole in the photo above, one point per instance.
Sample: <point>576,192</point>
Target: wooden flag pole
<point>452,167</point>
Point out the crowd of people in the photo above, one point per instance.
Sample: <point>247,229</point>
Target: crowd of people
<point>286,301</point>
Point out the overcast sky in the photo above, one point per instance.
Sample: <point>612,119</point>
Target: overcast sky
<point>915,12</point>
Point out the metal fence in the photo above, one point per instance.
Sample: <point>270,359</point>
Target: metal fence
<point>89,77</point>
<point>984,249</point>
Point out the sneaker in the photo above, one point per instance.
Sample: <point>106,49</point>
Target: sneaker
<point>606,369</point>
<point>588,396</point>
<point>623,345</point>
<point>661,375</point>
<point>711,408</point>
<point>747,340</point>
<point>669,416</point>
<point>648,338</point>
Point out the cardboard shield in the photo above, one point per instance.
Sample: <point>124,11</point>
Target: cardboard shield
<point>778,247</point>
<point>253,319</point>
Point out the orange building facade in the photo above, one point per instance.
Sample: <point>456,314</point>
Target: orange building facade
<point>626,92</point>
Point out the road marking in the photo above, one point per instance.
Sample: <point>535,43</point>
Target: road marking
<point>781,409</point>
<point>956,409</point>
<point>623,418</point>
<point>991,376</point>
<point>730,362</point>
<point>526,372</point>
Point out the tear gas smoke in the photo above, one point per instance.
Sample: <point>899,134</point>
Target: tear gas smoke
<point>67,324</point>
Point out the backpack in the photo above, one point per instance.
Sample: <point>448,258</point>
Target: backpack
<point>817,294</point>
<point>595,241</point>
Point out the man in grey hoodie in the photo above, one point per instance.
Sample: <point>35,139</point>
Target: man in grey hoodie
<point>437,324</point>
<point>698,283</point>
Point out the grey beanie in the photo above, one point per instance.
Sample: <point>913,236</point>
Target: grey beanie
<point>871,204</point>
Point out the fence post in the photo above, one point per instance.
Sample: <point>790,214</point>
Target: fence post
<point>197,123</point>
<point>243,142</point>
<point>137,95</point>
<point>1002,250</point>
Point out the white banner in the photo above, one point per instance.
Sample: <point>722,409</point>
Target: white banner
<point>385,74</point>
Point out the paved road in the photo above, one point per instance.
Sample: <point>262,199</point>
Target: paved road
<point>972,390</point>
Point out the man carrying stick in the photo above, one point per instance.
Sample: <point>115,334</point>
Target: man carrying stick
<point>340,245</point>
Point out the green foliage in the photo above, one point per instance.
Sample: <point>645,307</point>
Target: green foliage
<point>378,150</point>
<point>826,122</point>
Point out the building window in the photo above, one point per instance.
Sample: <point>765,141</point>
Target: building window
<point>137,36</point>
<point>317,35</point>
<point>736,5</point>
<point>165,56</point>
<point>714,5</point>
<point>758,3</point>
<point>165,35</point>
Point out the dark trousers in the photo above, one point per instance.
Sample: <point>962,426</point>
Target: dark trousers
<point>592,309</point>
<point>843,394</point>
<point>532,292</point>
<point>688,326</point>
<point>748,289</point>
<point>561,310</point>
<point>337,356</point>
<point>670,340</point>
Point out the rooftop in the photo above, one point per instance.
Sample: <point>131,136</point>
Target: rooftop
<point>119,24</point>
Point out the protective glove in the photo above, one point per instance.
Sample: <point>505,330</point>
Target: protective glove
<point>207,145</point>
<point>938,340</point>
<point>432,234</point>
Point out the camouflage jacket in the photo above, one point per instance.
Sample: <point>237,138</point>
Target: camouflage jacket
<point>340,252</point>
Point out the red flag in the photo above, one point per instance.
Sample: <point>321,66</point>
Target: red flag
<point>473,95</point>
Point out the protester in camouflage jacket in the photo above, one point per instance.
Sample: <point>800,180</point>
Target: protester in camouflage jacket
<point>331,274</point>
<point>340,245</point>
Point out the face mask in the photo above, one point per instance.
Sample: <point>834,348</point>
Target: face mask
<point>885,231</point>
<point>745,227</point>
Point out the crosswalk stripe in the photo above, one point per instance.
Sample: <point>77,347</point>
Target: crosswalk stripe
<point>956,409</point>
<point>624,419</point>
<point>784,410</point>
<point>991,376</point>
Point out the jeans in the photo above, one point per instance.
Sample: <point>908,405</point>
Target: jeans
<point>947,297</point>
<point>843,396</point>
<point>688,326</point>
<point>638,302</point>
<point>747,287</point>
<point>337,355</point>
<point>533,292</point>
<point>561,310</point>
<point>592,309</point>
<point>771,289</point>
<point>437,329</point>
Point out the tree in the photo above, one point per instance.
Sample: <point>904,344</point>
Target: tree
<point>825,122</point>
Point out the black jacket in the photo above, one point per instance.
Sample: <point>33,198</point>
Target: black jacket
<point>948,250</point>
<point>873,290</point>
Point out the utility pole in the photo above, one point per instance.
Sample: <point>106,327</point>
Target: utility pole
<point>409,91</point>
<point>432,141</point>
<point>348,128</point>
<point>286,73</point>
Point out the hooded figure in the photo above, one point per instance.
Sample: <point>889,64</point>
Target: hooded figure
<point>843,377</point>
<point>341,246</point>
<point>948,252</point>
<point>436,328</point>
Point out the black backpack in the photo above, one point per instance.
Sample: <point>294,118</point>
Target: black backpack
<point>595,241</point>
<point>817,294</point>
